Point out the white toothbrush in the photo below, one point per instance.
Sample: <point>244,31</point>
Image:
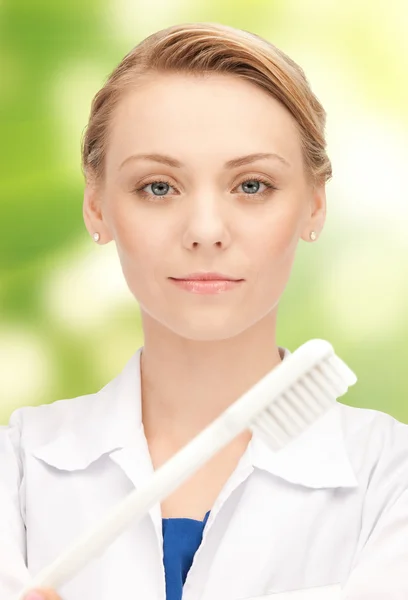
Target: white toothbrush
<point>278,408</point>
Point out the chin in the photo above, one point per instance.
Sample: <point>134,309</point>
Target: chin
<point>207,336</point>
<point>210,329</point>
<point>205,324</point>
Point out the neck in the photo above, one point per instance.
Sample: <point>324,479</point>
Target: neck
<point>186,384</point>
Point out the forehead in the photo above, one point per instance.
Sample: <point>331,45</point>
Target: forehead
<point>215,115</point>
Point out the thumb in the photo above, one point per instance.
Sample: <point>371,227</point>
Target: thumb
<point>42,594</point>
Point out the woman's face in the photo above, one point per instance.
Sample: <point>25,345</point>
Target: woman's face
<point>204,215</point>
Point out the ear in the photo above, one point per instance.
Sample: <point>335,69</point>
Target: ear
<point>316,215</point>
<point>93,212</point>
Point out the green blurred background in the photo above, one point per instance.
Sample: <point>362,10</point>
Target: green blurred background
<point>68,323</point>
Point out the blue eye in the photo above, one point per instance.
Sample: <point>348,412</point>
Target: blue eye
<point>159,185</point>
<point>269,186</point>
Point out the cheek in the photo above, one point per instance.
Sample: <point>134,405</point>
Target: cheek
<point>130,229</point>
<point>142,246</point>
<point>130,238</point>
<point>276,243</point>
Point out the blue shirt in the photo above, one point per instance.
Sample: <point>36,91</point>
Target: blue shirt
<point>181,539</point>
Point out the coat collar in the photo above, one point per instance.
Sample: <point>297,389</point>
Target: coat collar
<point>77,432</point>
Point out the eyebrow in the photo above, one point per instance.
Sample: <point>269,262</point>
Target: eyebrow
<point>230,164</point>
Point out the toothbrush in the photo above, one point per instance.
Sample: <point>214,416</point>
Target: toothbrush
<point>278,408</point>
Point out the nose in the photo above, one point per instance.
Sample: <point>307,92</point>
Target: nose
<point>206,225</point>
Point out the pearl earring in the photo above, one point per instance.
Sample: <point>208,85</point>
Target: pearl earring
<point>96,236</point>
<point>313,236</point>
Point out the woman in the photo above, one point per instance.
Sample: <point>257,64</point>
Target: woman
<point>205,162</point>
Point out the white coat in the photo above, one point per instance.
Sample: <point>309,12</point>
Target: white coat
<point>328,511</point>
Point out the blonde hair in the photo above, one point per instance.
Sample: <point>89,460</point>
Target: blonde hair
<point>199,48</point>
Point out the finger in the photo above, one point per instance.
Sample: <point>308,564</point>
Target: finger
<point>42,594</point>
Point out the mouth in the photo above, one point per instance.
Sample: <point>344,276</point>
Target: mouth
<point>206,277</point>
<point>207,283</point>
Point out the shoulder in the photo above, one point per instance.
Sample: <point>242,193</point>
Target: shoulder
<point>82,420</point>
<point>50,416</point>
<point>372,428</point>
<point>377,446</point>
<point>39,425</point>
<point>32,426</point>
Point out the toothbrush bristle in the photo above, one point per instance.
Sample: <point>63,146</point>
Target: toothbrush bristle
<point>311,396</point>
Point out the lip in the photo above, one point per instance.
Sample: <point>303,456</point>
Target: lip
<point>206,277</point>
<point>207,286</point>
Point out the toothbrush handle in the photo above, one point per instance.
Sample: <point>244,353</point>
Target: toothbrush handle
<point>130,510</point>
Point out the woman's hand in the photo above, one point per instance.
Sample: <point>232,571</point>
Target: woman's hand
<point>42,594</point>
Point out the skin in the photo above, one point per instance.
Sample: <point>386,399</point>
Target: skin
<point>201,352</point>
<point>45,593</point>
